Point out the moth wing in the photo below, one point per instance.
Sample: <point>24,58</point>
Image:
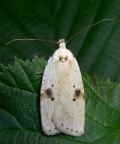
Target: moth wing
<point>46,99</point>
<point>70,106</point>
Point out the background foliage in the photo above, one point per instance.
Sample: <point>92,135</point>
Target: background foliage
<point>97,51</point>
<point>20,116</point>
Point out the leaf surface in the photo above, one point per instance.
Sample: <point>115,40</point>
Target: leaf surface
<point>20,114</point>
<point>97,49</point>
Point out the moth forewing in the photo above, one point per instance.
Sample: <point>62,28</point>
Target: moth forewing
<point>62,95</point>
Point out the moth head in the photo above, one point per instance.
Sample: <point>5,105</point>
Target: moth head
<point>63,54</point>
<point>61,43</point>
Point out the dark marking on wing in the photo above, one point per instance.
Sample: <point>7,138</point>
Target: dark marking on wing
<point>49,92</point>
<point>74,99</point>
<point>52,99</point>
<point>77,92</point>
<point>52,85</point>
<point>74,86</point>
<point>76,131</point>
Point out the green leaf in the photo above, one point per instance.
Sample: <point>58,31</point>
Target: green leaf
<point>97,49</point>
<point>19,108</point>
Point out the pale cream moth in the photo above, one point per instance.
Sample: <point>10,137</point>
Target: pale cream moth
<point>62,102</point>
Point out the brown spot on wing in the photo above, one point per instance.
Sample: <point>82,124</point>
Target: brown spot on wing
<point>52,85</point>
<point>77,92</point>
<point>49,92</point>
<point>74,99</point>
<point>74,86</point>
<point>52,99</point>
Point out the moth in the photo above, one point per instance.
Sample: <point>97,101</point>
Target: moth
<point>62,102</point>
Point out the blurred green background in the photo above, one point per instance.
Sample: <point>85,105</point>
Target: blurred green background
<point>97,49</point>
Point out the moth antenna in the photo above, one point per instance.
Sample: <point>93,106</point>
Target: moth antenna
<point>98,22</point>
<point>30,39</point>
<point>38,73</point>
